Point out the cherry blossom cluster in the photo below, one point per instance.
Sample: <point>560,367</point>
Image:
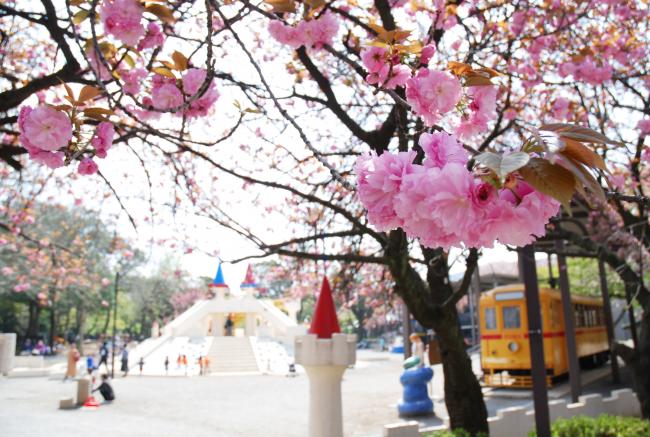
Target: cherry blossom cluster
<point>430,93</point>
<point>169,93</point>
<point>607,228</point>
<point>47,134</point>
<point>443,204</point>
<point>313,34</point>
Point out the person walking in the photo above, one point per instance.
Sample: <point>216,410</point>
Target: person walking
<point>141,364</point>
<point>206,365</point>
<point>179,361</point>
<point>103,356</point>
<point>73,357</point>
<point>185,363</point>
<point>200,365</point>
<point>167,365</point>
<point>228,326</point>
<point>125,362</point>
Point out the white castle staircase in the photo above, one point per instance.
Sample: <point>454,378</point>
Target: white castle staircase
<point>232,355</point>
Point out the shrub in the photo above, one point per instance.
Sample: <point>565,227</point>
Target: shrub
<point>601,426</point>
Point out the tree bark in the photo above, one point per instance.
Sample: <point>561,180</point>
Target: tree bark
<point>81,321</point>
<point>639,362</point>
<point>32,326</point>
<point>53,320</point>
<point>432,305</point>
<point>108,317</point>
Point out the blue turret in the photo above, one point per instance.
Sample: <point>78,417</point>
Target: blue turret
<point>218,280</point>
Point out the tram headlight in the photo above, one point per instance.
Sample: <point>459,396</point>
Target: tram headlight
<point>513,346</point>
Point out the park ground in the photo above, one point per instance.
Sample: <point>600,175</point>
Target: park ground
<point>221,406</point>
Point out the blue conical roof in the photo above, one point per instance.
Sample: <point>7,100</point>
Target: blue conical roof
<point>218,280</point>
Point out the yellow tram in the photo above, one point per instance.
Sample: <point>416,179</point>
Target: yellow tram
<point>505,353</point>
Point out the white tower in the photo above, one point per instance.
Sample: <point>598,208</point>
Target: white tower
<point>325,353</point>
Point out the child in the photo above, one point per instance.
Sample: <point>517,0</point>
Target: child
<point>141,365</point>
<point>105,389</point>
<point>90,364</point>
<point>167,365</point>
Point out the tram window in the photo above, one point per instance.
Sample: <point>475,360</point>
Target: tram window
<point>580,321</point>
<point>490,318</point>
<point>511,318</point>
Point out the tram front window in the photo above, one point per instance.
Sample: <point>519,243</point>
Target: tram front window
<point>490,318</point>
<point>511,318</point>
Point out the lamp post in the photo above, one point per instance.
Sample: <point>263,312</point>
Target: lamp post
<point>117,280</point>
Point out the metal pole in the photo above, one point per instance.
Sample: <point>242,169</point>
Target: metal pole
<point>406,322</point>
<point>551,279</point>
<point>609,324</point>
<point>117,280</point>
<point>536,340</point>
<point>569,323</point>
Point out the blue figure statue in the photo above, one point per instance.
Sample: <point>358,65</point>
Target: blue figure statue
<point>416,401</point>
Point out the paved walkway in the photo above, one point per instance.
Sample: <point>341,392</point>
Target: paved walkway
<point>214,406</point>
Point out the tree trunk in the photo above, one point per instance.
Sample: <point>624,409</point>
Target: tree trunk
<point>53,319</point>
<point>639,362</point>
<point>108,318</point>
<point>66,323</point>
<point>32,326</point>
<point>463,395</point>
<point>428,303</point>
<point>81,321</point>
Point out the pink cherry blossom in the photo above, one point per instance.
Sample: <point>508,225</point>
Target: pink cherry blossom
<point>432,94</point>
<point>286,34</point>
<point>320,31</point>
<point>452,202</point>
<point>399,75</point>
<point>440,149</point>
<point>133,79</point>
<point>379,180</point>
<point>517,22</point>
<point>166,96</point>
<point>123,20</point>
<point>193,79</point>
<point>87,167</point>
<point>644,126</point>
<point>411,207</point>
<point>310,33</point>
<point>103,139</point>
<point>44,128</point>
<point>560,108</point>
<point>23,286</point>
<point>374,58</point>
<point>427,53</point>
<point>50,159</point>
<point>482,110</point>
<point>6,271</point>
<point>153,38</point>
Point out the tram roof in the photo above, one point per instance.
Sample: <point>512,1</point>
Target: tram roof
<point>576,298</point>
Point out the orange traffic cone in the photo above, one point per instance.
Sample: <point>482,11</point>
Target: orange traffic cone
<point>91,402</point>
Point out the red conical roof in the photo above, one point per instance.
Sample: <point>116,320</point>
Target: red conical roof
<point>249,280</point>
<point>325,322</point>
